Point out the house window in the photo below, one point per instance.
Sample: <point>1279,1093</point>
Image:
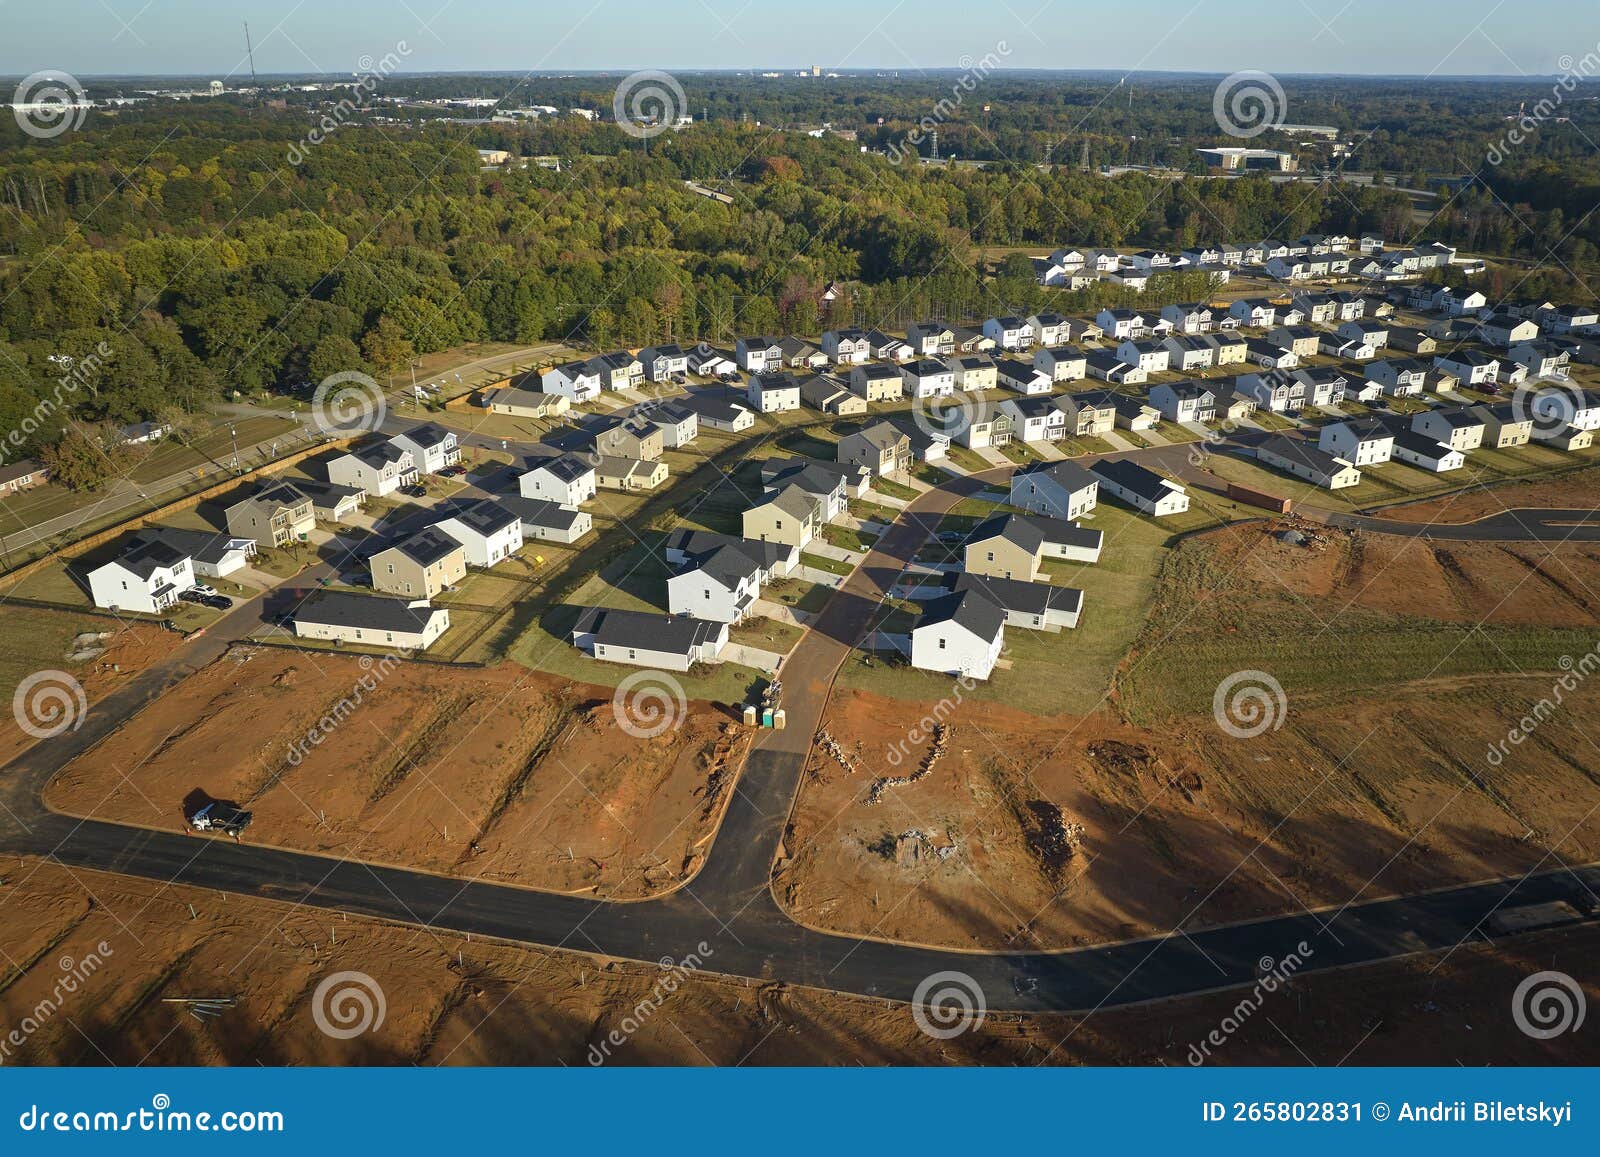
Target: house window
<point>941,644</point>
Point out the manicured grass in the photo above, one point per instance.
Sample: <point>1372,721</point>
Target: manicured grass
<point>894,489</point>
<point>969,460</point>
<point>1175,433</point>
<point>822,563</point>
<point>846,539</point>
<point>766,634</point>
<point>1019,453</point>
<point>1267,420</point>
<point>929,473</point>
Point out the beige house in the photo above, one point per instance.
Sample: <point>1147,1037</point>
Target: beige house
<point>974,372</point>
<point>880,447</point>
<point>421,566</point>
<point>877,382</point>
<point>274,514</point>
<point>1088,415</point>
<point>642,440</point>
<point>788,515</point>
<point>613,472</point>
<point>999,554</point>
<point>519,403</point>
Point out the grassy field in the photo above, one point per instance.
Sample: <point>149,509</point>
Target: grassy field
<point>39,640</point>
<point>1208,623</point>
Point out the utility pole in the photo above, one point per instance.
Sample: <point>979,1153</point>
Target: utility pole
<point>251,53</point>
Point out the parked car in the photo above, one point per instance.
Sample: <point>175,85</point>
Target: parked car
<point>415,491</point>
<point>453,471</point>
<point>221,817</point>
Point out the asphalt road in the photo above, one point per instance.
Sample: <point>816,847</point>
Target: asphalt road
<point>1530,525</point>
<point>727,914</point>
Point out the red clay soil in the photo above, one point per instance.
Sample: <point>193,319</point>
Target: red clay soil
<point>502,774</point>
<point>1049,833</point>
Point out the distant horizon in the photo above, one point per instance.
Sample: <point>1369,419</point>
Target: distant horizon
<point>759,71</point>
<point>1479,39</point>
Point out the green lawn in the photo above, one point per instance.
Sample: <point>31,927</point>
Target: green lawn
<point>822,563</point>
<point>766,634</point>
<point>894,489</point>
<point>969,460</point>
<point>846,539</point>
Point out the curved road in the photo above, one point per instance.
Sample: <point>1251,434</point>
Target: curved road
<point>729,906</point>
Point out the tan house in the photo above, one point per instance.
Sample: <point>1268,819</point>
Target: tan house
<point>420,567</point>
<point>520,403</point>
<point>880,447</point>
<point>1230,350</point>
<point>273,514</point>
<point>1003,551</point>
<point>877,382</point>
<point>788,515</point>
<point>614,472</point>
<point>642,440</point>
<point>1088,415</point>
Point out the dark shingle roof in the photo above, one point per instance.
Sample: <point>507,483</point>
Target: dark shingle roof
<point>969,608</point>
<point>428,546</point>
<point>368,612</point>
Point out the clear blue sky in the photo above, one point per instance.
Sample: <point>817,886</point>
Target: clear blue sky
<point>1443,37</point>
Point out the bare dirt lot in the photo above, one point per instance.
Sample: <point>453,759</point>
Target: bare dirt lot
<point>1580,489</point>
<point>1402,666</point>
<point>100,653</point>
<point>449,1000</point>
<point>501,774</point>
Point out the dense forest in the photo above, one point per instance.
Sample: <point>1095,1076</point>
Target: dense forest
<point>183,242</point>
